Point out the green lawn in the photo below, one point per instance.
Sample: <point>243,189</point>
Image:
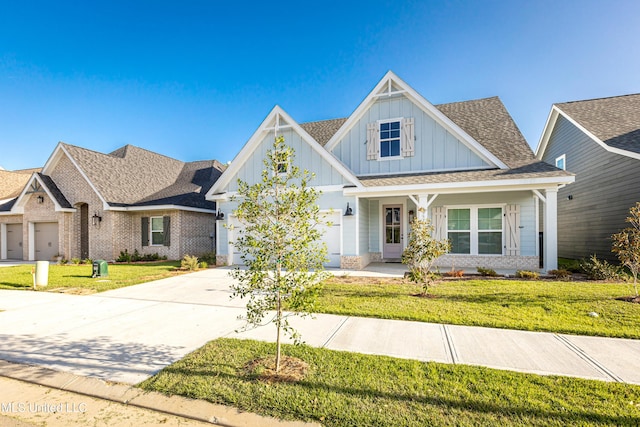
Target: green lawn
<point>349,389</point>
<point>512,304</point>
<point>77,278</point>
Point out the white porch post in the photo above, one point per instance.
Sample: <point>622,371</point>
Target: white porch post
<point>551,230</point>
<point>3,241</point>
<point>422,206</point>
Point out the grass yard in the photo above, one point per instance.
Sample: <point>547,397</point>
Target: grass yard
<point>77,278</point>
<point>349,389</point>
<point>511,304</point>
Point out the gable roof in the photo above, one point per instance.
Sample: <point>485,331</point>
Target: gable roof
<point>132,176</point>
<point>392,85</point>
<point>278,118</point>
<point>323,130</point>
<point>45,184</point>
<point>613,122</point>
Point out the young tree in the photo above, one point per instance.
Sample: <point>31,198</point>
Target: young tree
<point>626,244</point>
<point>421,252</point>
<point>280,244</point>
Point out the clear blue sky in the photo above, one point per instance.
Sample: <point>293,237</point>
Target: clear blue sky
<point>194,79</point>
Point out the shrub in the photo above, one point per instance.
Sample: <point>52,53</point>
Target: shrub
<point>526,274</point>
<point>64,261</point>
<point>487,272</point>
<point>571,265</point>
<point>125,256</point>
<point>626,244</point>
<point>203,264</point>
<point>596,269</point>
<point>561,274</point>
<point>454,273</point>
<point>189,263</point>
<point>75,261</point>
<point>88,261</point>
<point>208,257</point>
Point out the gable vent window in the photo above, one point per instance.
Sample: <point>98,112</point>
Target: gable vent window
<point>390,139</point>
<point>561,162</point>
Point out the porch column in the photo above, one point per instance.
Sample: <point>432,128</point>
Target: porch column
<point>551,230</point>
<point>422,206</point>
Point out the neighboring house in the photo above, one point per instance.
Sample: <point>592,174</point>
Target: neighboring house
<point>599,141</point>
<point>465,165</point>
<point>87,204</point>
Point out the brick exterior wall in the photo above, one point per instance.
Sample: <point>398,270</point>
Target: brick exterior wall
<point>495,262</point>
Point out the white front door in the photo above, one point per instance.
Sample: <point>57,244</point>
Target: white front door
<point>392,231</point>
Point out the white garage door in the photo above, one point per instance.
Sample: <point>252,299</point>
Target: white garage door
<point>14,241</point>
<point>46,240</point>
<point>331,236</point>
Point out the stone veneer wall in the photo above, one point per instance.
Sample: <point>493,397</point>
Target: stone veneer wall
<point>488,261</point>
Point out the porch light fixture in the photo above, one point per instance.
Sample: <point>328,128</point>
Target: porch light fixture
<point>40,199</point>
<point>349,211</point>
<point>96,219</point>
<point>219,216</point>
<point>570,197</point>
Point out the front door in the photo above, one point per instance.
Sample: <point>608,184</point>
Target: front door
<point>392,247</point>
<point>84,231</point>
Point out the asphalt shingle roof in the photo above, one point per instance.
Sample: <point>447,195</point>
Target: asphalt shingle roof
<point>323,130</point>
<point>12,182</point>
<point>615,120</point>
<point>131,176</point>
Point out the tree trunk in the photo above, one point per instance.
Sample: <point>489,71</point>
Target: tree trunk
<point>278,319</point>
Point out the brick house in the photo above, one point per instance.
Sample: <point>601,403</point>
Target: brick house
<point>87,204</point>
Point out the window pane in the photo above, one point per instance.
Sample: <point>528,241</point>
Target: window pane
<point>384,149</point>
<point>384,135</point>
<point>395,125</point>
<point>389,237</point>
<point>396,215</point>
<point>156,223</point>
<point>156,238</point>
<point>490,219</point>
<point>384,126</point>
<point>395,134</point>
<point>389,216</point>
<point>459,219</point>
<point>395,147</point>
<point>490,243</point>
<point>460,243</point>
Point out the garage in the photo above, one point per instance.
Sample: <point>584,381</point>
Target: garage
<point>331,236</point>
<point>14,241</point>
<point>46,240</point>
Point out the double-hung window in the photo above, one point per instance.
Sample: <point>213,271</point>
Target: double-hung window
<point>157,230</point>
<point>475,230</point>
<point>390,139</point>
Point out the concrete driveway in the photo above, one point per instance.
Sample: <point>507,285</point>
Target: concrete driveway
<point>128,334</point>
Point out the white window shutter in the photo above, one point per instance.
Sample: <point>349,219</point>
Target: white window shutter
<point>439,222</point>
<point>512,216</point>
<point>373,145</point>
<point>408,143</point>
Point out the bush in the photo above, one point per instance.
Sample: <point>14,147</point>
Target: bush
<point>88,261</point>
<point>561,274</point>
<point>596,269</point>
<point>526,274</point>
<point>75,261</point>
<point>487,272</point>
<point>189,263</point>
<point>571,265</point>
<point>203,264</point>
<point>208,257</point>
<point>125,256</point>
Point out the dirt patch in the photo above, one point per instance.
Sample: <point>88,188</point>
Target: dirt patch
<point>291,370</point>
<point>73,291</point>
<point>632,299</point>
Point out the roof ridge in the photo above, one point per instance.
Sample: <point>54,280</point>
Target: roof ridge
<point>470,100</point>
<point>324,120</point>
<point>597,99</point>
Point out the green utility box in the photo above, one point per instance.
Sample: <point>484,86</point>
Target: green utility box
<point>100,268</point>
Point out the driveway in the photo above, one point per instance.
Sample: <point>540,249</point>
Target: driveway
<point>128,334</point>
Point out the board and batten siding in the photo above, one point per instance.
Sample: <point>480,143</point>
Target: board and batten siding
<point>435,147</point>
<point>524,199</point>
<point>363,226</point>
<point>606,186</point>
<point>305,158</point>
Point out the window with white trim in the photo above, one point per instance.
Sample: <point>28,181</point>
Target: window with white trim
<point>561,162</point>
<point>157,230</point>
<point>281,162</point>
<point>475,230</point>
<point>390,139</point>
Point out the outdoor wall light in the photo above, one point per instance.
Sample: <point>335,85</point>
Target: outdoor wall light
<point>349,211</point>
<point>570,197</point>
<point>96,219</point>
<point>219,216</point>
<point>40,199</point>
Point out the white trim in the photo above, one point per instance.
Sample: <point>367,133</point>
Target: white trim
<point>425,106</point>
<point>462,187</point>
<point>551,123</point>
<point>151,231</point>
<point>18,206</point>
<point>564,162</point>
<point>536,206</point>
<point>32,240</point>
<point>257,138</point>
<point>3,241</point>
<point>539,195</point>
